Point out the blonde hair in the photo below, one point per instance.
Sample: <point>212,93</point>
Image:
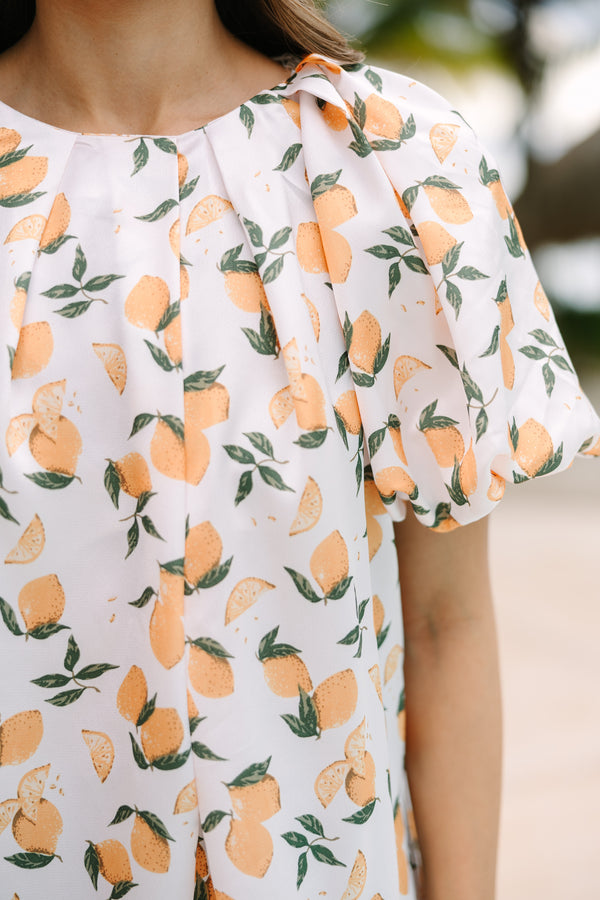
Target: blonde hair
<point>281,29</point>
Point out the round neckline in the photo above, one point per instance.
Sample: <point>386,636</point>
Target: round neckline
<point>31,121</point>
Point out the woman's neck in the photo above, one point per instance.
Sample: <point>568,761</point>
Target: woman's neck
<point>135,66</point>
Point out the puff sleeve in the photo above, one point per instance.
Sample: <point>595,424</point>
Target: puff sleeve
<point>462,377</point>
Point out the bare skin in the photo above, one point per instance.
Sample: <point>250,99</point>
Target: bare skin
<point>453,707</point>
<point>131,66</point>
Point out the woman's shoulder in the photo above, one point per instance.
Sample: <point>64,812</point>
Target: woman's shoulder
<point>371,92</point>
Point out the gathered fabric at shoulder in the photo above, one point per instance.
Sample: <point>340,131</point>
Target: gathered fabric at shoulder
<point>461,374</point>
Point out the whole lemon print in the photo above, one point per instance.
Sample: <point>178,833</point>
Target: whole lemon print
<point>41,601</point>
<point>114,861</point>
<point>150,850</point>
<point>42,835</point>
<point>62,453</point>
<point>20,736</point>
<point>249,846</point>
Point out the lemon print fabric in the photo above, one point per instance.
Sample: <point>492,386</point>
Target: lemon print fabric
<point>232,358</point>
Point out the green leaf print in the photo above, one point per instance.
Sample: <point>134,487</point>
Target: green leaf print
<point>481,423</point>
<point>121,815</point>
<point>343,365</point>
<point>79,264</point>
<point>156,824</point>
<point>322,183</point>
<point>289,158</point>
<point>338,591</point>
<point>140,759</point>
<point>160,357</point>
<point>512,242</point>
<point>65,698</point>
<point>211,646</point>
<point>56,244</point>
<point>543,337</point>
<point>312,824</point>
<point>141,421</point>
<point>146,711</point>
<point>254,232</point>
<point>203,752</point>
<point>31,860</point>
<point>488,176</point>
<point>200,380</point>
<point>92,863</point>
<point>325,855</point>
<point>52,481</point>
<point>247,118</point>
<point>532,352</point>
<point>375,79</point>
<point>52,681</point>
<point>295,839</point>
<point>303,585</point>
<point>268,649</point>
<point>341,428</point>
<point>213,819</point>
<point>121,888</point>
<point>273,478</point>
<point>470,273</point>
<point>239,454</point>
<point>112,483</point>
<point>552,464</point>
<point>72,655</point>
<point>305,724</point>
<point>95,670</point>
<point>160,212</point>
<point>260,442</point>
<point>251,775</point>
<point>143,599</point>
<point>494,344</point>
<point>454,297</point>
<point>9,617</point>
<point>215,576</point>
<point>244,487</point>
<point>312,439</point>
<point>133,536</point>
<point>360,145</point>
<point>7,159</point>
<point>561,362</point>
<point>188,188</point>
<point>376,439</point>
<point>20,199</point>
<point>166,145</point>
<point>363,379</point>
<point>273,270</point>
<point>47,630</point>
<point>302,868</point>
<point>140,157</point>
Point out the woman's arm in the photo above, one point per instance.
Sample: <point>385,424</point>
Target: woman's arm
<point>453,706</point>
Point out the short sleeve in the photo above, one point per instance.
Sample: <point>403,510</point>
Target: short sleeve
<point>462,377</point>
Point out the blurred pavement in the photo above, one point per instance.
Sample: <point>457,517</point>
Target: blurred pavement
<point>545,560</point>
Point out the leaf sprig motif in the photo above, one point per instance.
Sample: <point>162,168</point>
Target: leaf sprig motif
<point>355,635</point>
<point>305,588</point>
<point>314,847</point>
<point>279,239</point>
<point>5,512</point>
<point>361,145</point>
<point>245,457</point>
<point>466,273</point>
<point>112,485</point>
<point>39,633</point>
<point>408,257</point>
<point>61,680</point>
<point>554,356</point>
<point>91,286</point>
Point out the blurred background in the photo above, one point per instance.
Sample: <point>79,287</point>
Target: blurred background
<point>526,76</point>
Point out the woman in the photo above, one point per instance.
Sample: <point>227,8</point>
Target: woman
<point>263,305</point>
